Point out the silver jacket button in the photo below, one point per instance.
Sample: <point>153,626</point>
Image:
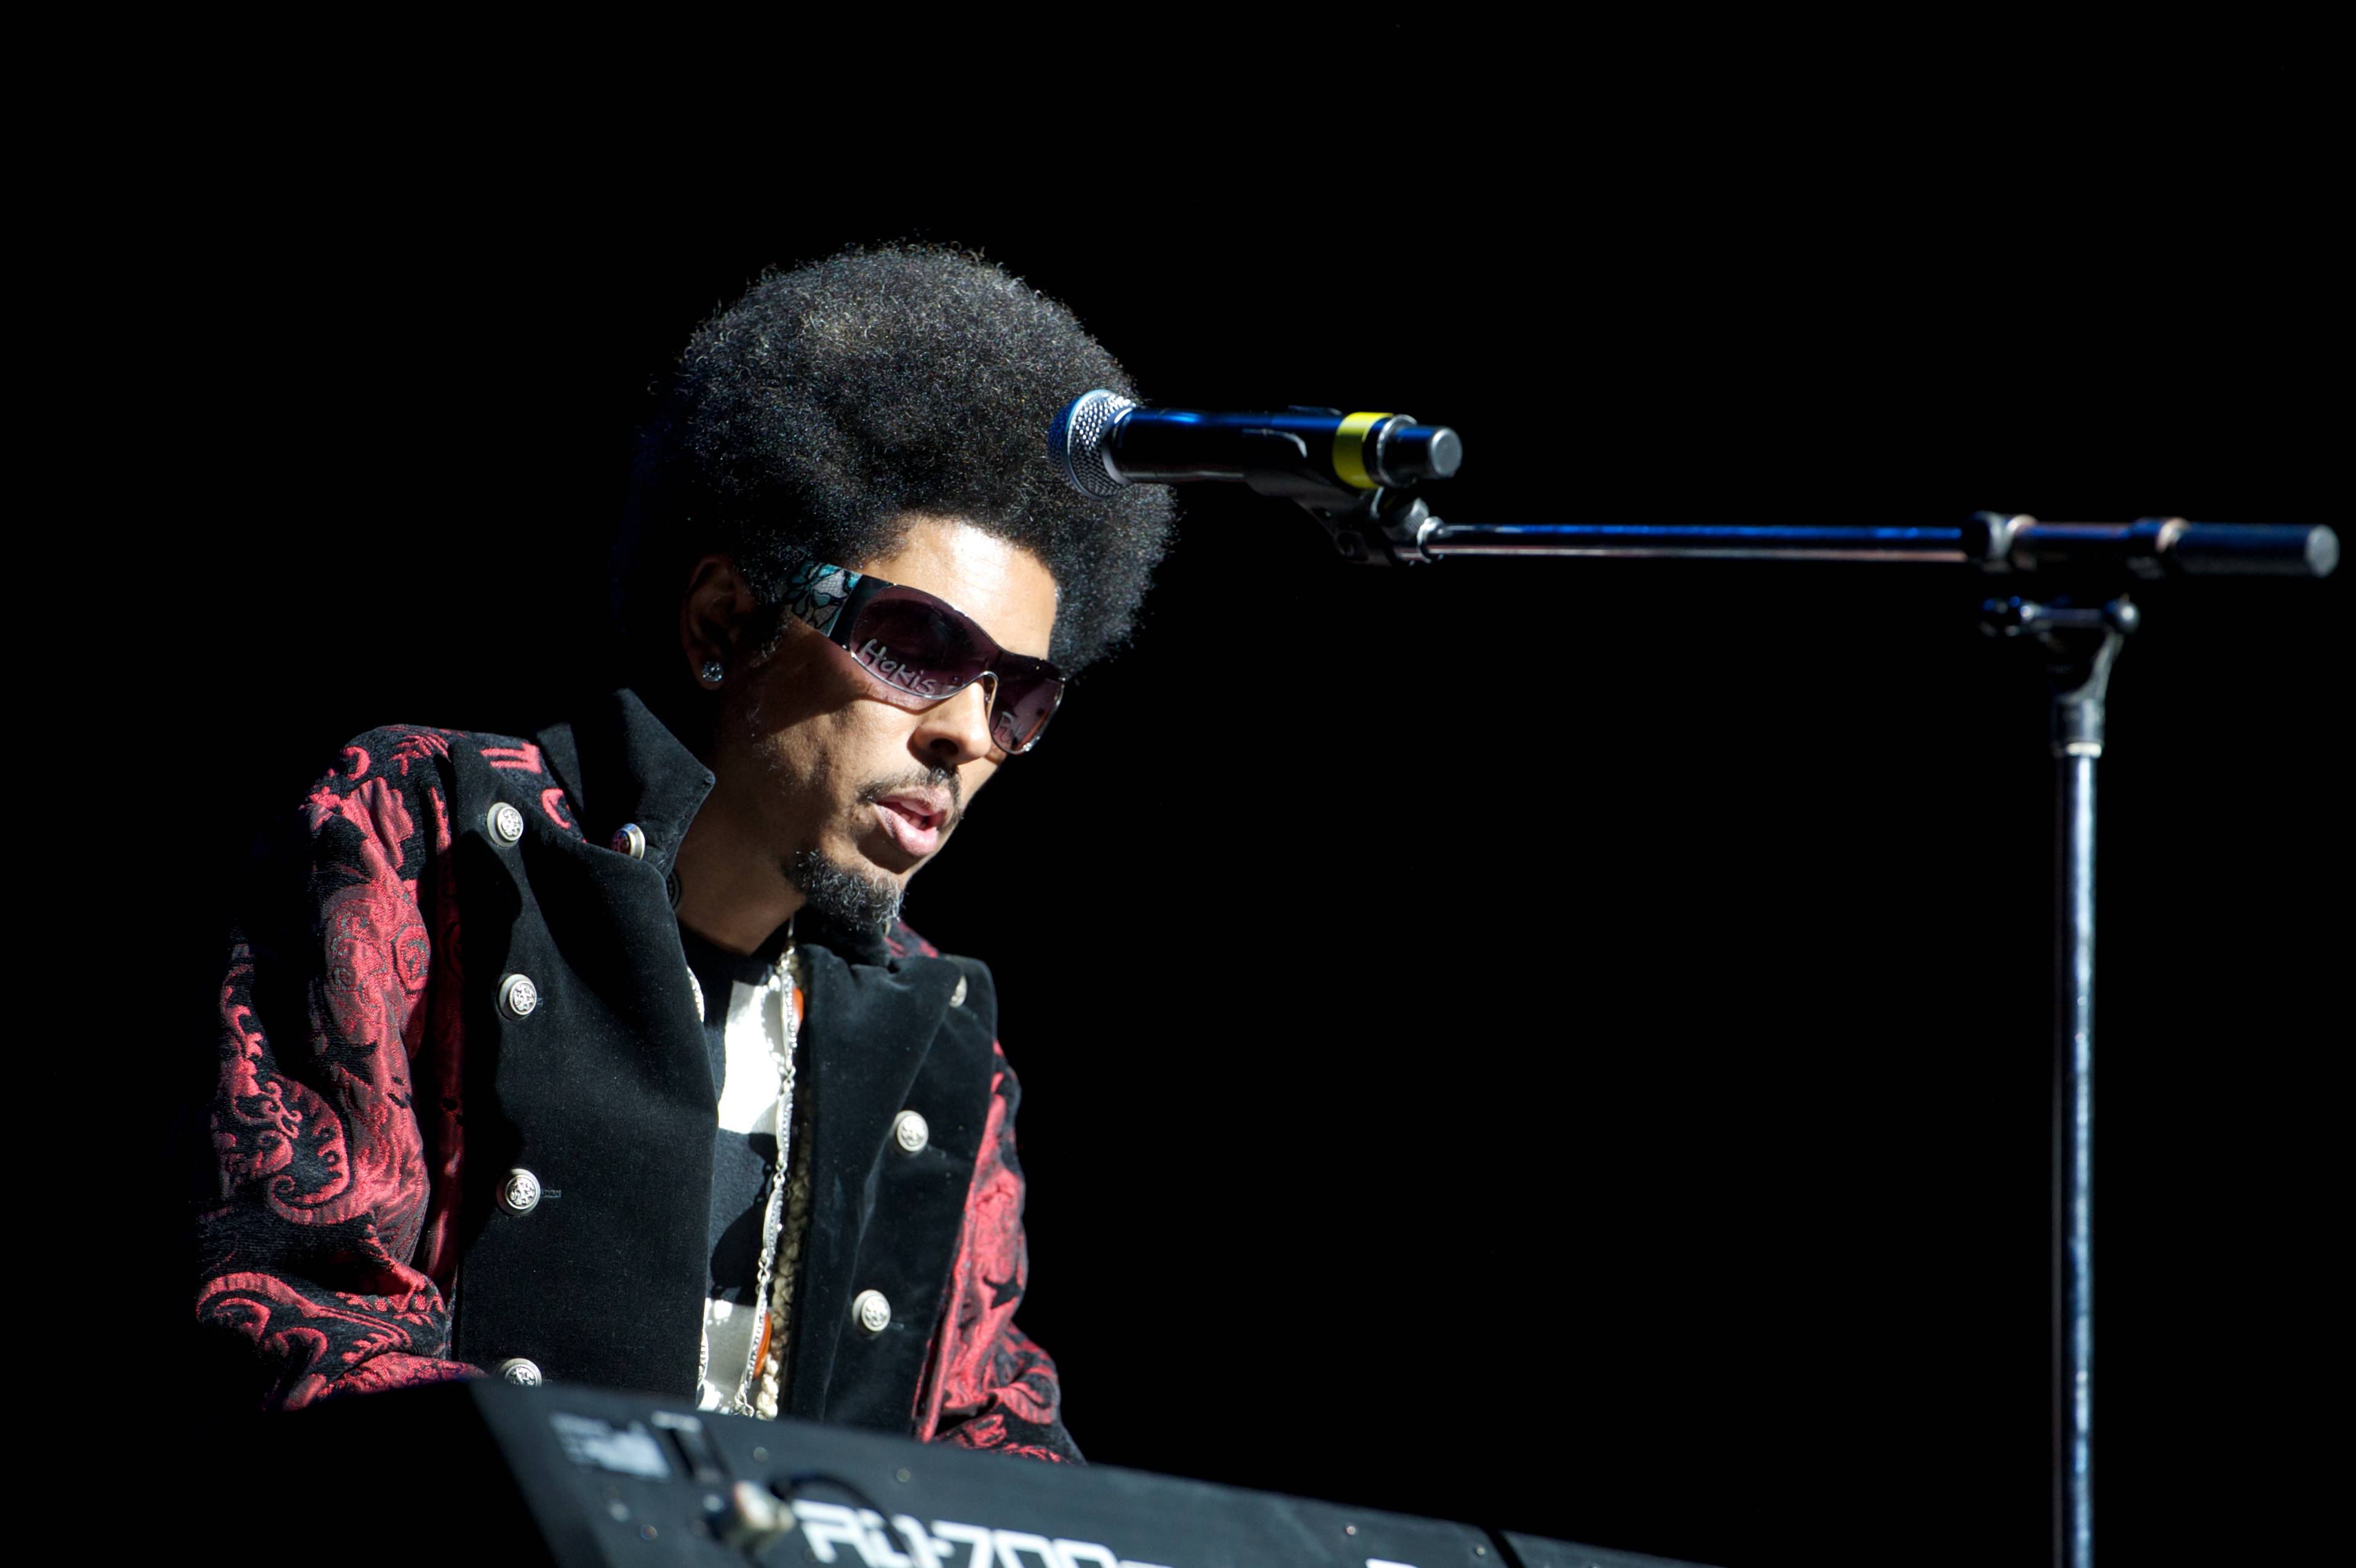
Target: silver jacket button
<point>908,1130</point>
<point>518,998</point>
<point>505,823</point>
<point>872,1311</point>
<point>519,1194</point>
<point>956,997</point>
<point>522,1371</point>
<point>631,840</point>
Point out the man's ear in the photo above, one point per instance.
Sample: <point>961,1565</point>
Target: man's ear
<point>714,614</point>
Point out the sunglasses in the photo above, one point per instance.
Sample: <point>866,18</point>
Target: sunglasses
<point>926,648</point>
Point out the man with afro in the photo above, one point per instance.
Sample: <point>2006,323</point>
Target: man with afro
<point>601,1055</point>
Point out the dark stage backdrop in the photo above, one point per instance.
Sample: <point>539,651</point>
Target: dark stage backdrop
<point>1563,1044</point>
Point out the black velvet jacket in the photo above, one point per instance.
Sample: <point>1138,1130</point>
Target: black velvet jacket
<point>466,1115</point>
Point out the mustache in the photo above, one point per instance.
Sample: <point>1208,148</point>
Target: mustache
<point>920,778</point>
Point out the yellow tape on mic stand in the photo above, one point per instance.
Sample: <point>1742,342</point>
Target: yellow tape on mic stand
<point>1350,449</point>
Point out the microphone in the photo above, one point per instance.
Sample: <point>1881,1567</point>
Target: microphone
<point>1102,441</point>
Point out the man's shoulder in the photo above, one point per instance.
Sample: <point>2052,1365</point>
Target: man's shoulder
<point>413,758</point>
<point>400,780</point>
<point>407,751</point>
<point>977,989</point>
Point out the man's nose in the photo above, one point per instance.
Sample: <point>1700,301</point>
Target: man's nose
<point>957,730</point>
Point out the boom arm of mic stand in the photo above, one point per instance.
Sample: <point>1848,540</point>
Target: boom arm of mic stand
<point>2148,548</point>
<point>1379,528</point>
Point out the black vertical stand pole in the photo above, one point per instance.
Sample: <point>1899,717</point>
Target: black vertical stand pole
<point>2080,644</point>
<point>2074,1166</point>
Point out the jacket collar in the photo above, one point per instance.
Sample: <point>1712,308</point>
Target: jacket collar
<point>621,764</point>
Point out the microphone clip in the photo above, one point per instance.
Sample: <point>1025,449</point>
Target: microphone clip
<point>1376,528</point>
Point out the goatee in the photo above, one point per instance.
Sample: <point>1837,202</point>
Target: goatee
<point>835,893</point>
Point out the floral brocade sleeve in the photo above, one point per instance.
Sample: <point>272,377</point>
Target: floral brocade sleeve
<point>989,1384</point>
<point>330,1200</point>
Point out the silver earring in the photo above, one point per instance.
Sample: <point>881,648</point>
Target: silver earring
<point>714,672</point>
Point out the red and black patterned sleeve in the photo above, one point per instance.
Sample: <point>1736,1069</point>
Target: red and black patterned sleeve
<point>990,1385</point>
<point>330,1200</point>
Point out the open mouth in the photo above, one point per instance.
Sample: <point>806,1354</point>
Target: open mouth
<point>914,822</point>
<point>922,813</point>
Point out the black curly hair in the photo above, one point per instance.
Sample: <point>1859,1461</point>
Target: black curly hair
<point>811,418</point>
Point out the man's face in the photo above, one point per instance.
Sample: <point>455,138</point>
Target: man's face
<point>828,775</point>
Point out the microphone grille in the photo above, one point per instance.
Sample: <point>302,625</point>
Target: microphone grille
<point>1076,442</point>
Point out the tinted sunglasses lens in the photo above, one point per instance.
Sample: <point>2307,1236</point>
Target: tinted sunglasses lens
<point>914,646</point>
<point>1025,703</point>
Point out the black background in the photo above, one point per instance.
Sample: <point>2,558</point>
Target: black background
<point>1558,1044</point>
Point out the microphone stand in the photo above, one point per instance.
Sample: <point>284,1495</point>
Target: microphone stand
<point>2077,629</point>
